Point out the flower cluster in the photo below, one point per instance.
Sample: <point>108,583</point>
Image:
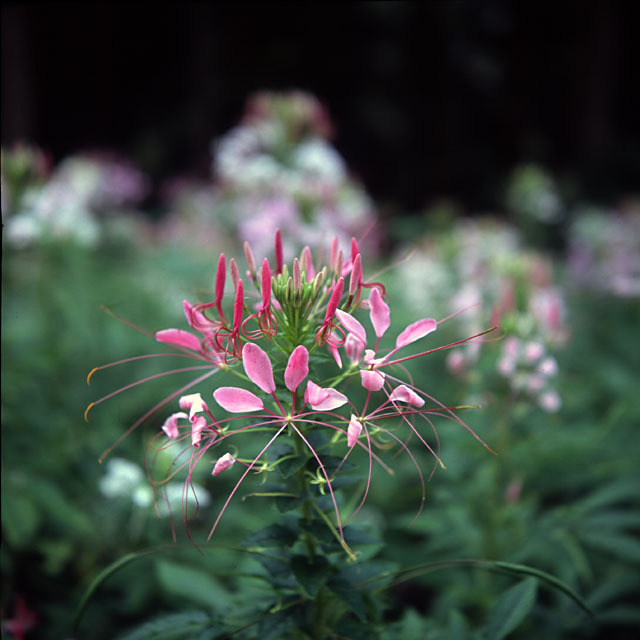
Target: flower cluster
<point>485,263</point>
<point>604,251</point>
<point>277,169</point>
<point>73,202</point>
<point>303,363</point>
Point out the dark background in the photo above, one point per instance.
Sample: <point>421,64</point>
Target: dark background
<point>430,99</point>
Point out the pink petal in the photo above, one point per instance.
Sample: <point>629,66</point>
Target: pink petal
<point>354,431</point>
<point>196,430</point>
<point>193,403</point>
<point>297,368</point>
<point>379,312</point>
<point>258,367</point>
<point>322,399</point>
<point>336,355</point>
<point>372,380</point>
<point>352,325</point>
<point>196,319</point>
<point>237,400</point>
<point>178,338</point>
<point>415,331</point>
<point>404,394</point>
<point>223,464</point>
<point>353,348</point>
<point>170,426</point>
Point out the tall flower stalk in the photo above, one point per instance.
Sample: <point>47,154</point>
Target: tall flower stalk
<point>295,368</point>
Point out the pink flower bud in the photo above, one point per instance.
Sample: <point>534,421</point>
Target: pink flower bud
<point>334,301</point>
<point>237,307</point>
<point>278,251</point>
<point>306,263</point>
<point>248,255</point>
<point>223,464</point>
<point>220,279</point>
<point>266,285</point>
<point>234,272</point>
<point>297,276</point>
<point>355,281</point>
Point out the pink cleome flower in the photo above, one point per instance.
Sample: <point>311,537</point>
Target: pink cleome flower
<point>303,313</point>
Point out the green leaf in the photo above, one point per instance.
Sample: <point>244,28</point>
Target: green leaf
<point>543,576</point>
<point>275,535</point>
<point>275,625</point>
<point>511,609</point>
<point>622,546</point>
<point>311,575</point>
<point>191,584</point>
<point>101,577</point>
<point>194,625</point>
<point>623,491</point>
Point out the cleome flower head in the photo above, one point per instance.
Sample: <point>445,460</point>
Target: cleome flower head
<point>293,361</point>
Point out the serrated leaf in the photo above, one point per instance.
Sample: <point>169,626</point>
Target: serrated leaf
<point>311,575</point>
<point>511,609</point>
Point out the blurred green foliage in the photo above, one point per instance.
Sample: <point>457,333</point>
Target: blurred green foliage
<point>562,495</point>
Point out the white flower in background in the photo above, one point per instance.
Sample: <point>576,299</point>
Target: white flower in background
<point>125,479</point>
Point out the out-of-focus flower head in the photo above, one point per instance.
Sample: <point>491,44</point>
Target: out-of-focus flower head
<point>533,195</point>
<point>277,169</point>
<point>483,262</point>
<point>75,200</point>
<point>604,250</point>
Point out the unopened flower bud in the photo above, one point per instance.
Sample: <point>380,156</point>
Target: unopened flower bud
<point>251,263</point>
<point>297,276</point>
<point>234,273</point>
<point>223,464</point>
